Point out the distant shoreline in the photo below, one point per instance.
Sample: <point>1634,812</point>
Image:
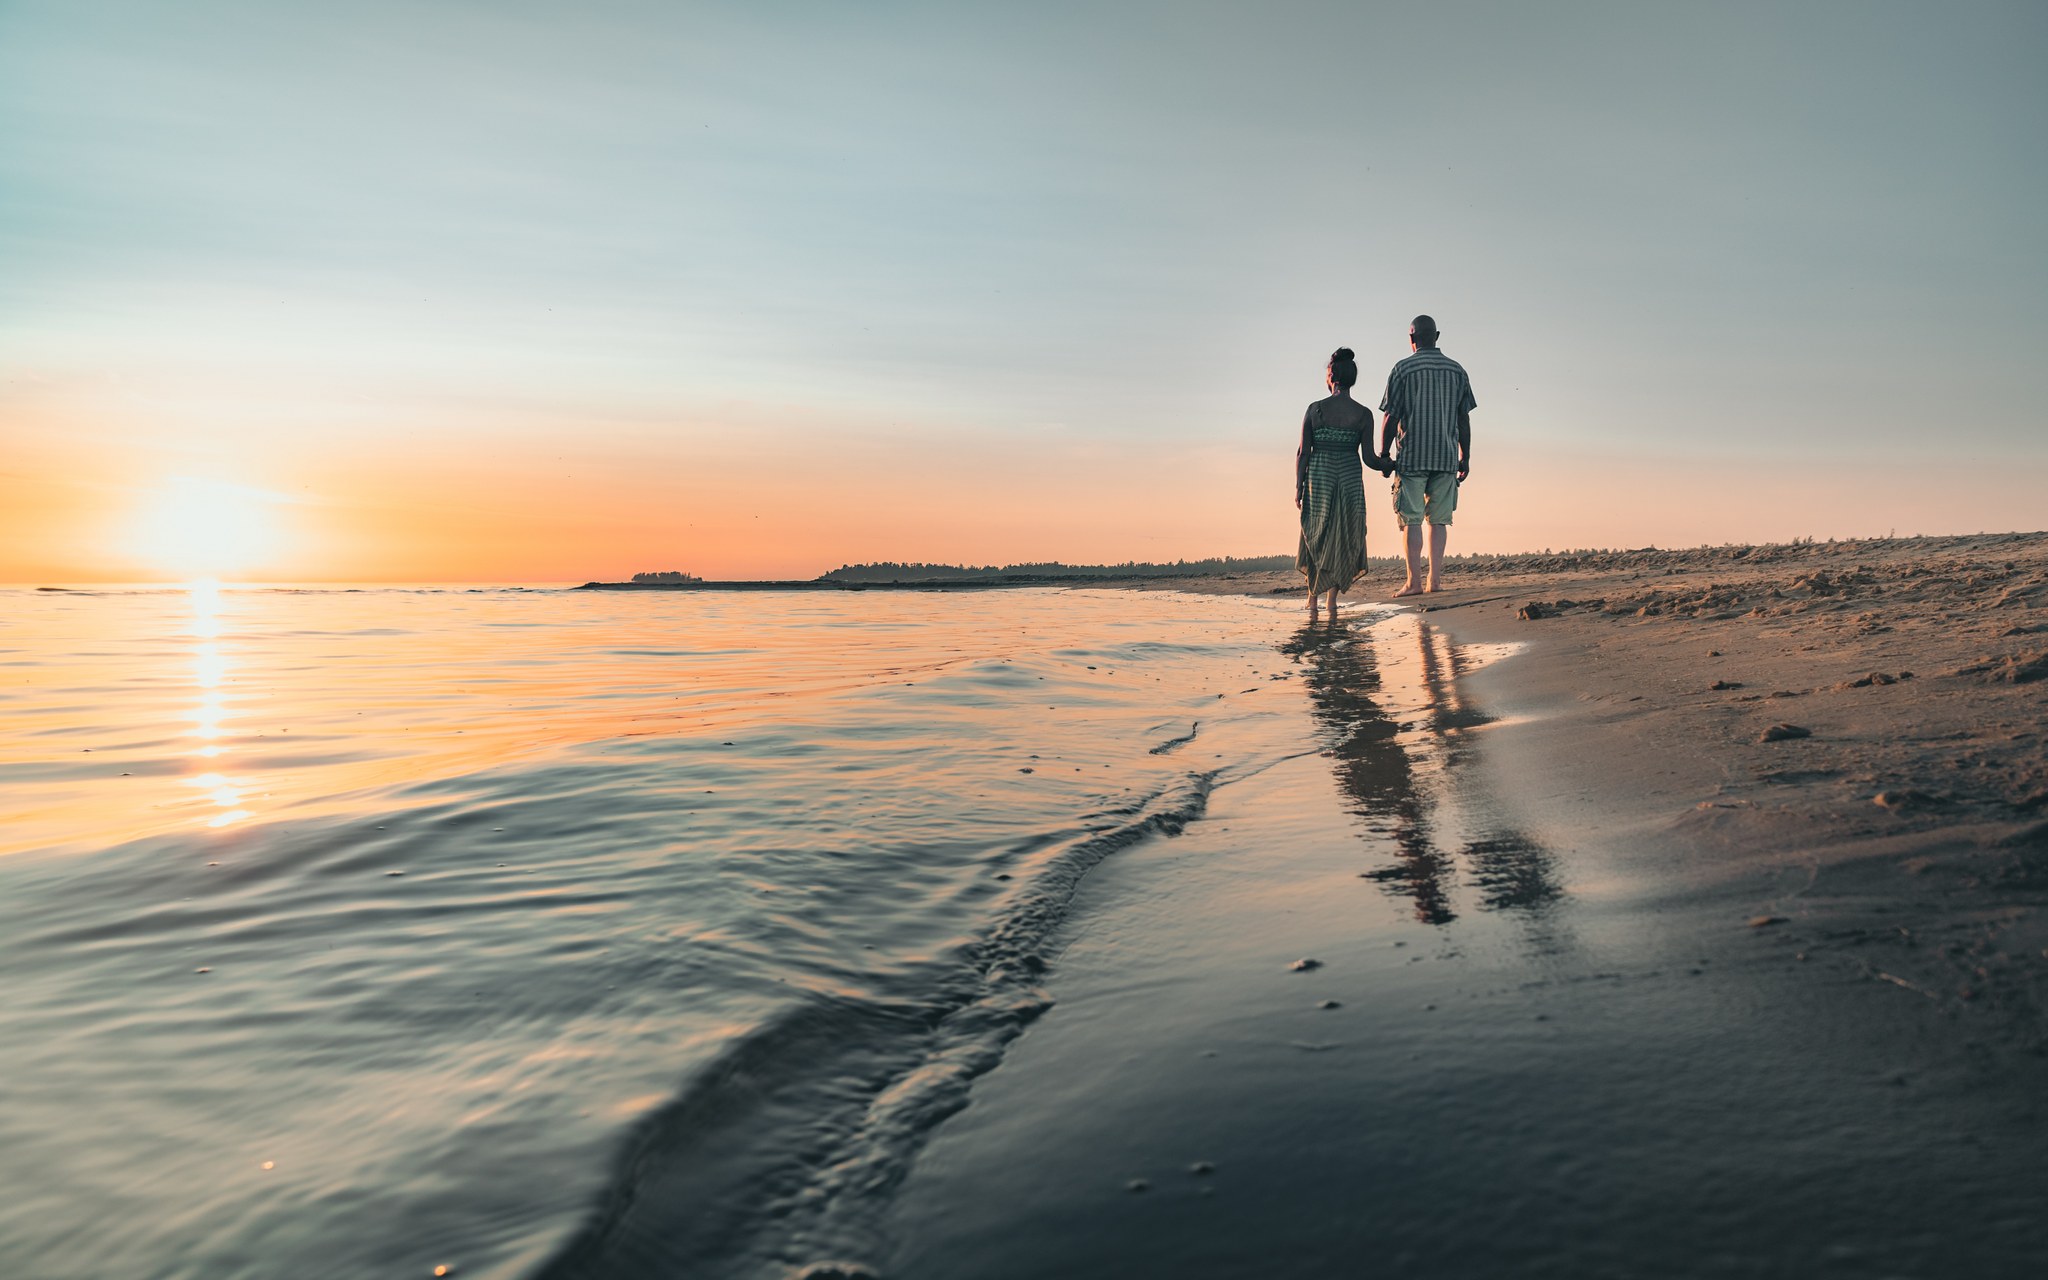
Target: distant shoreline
<point>998,583</point>
<point>1730,557</point>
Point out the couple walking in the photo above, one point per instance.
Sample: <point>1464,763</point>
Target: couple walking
<point>1425,444</point>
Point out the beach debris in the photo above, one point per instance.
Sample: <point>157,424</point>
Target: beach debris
<point>1330,1004</point>
<point>1713,653</point>
<point>1003,875</point>
<point>1306,963</point>
<point>1719,685</point>
<point>1202,1168</point>
<point>1533,611</point>
<point>1902,799</point>
<point>205,970</point>
<point>1027,769</point>
<point>1782,732</point>
<point>1137,1184</point>
<point>1760,922</point>
<point>444,1270</point>
<point>394,873</point>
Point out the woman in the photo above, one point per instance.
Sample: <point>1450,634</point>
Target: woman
<point>1329,484</point>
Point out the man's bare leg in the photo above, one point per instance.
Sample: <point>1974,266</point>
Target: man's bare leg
<point>1439,534</point>
<point>1413,587</point>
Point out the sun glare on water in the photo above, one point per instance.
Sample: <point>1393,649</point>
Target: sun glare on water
<point>207,529</point>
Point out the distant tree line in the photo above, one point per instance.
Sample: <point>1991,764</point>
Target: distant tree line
<point>891,571</point>
<point>667,575</point>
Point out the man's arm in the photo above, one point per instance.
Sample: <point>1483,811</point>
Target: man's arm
<point>1390,415</point>
<point>1464,442</point>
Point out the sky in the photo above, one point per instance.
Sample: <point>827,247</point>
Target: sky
<point>505,291</point>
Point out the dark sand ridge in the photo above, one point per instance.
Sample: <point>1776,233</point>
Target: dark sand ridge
<point>1673,999</point>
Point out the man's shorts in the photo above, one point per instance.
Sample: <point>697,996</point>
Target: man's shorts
<point>1425,495</point>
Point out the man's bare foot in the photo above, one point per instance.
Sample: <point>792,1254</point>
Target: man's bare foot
<point>1412,589</point>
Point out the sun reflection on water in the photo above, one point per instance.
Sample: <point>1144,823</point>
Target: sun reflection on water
<point>211,666</point>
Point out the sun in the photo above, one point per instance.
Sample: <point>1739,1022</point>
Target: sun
<point>208,528</point>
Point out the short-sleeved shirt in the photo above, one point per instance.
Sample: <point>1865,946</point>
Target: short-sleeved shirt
<point>1424,393</point>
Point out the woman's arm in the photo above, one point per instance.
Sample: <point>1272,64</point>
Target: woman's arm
<point>1301,452</point>
<point>1372,460</point>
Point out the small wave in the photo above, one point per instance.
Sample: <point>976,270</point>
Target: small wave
<point>1172,745</point>
<point>805,1126</point>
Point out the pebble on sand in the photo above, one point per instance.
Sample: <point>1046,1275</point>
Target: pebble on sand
<point>444,1270</point>
<point>1201,1168</point>
<point>1780,732</point>
<point>836,1271</point>
<point>1137,1184</point>
<point>1758,922</point>
<point>1719,685</point>
<point>1532,611</point>
<point>1304,964</point>
<point>1331,1004</point>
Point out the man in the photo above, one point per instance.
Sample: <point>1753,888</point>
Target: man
<point>1428,409</point>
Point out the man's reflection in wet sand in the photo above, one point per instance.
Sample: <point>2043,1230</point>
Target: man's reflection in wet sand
<point>1383,779</point>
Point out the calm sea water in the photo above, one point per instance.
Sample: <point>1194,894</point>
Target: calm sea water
<point>362,932</point>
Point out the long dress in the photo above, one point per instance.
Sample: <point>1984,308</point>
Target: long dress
<point>1331,481</point>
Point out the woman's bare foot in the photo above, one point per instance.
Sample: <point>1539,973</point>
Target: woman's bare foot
<point>1412,589</point>
<point>1434,586</point>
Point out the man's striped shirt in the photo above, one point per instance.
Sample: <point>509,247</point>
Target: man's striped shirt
<point>1424,393</point>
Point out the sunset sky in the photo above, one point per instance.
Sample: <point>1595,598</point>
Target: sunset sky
<point>501,291</point>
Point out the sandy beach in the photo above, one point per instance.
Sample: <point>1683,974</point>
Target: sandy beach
<point>1715,946</point>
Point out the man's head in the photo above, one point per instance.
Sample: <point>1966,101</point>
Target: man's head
<point>1422,332</point>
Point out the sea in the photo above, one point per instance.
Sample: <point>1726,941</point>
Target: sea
<point>364,932</point>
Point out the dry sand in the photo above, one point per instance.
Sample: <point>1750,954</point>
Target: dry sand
<point>1908,801</point>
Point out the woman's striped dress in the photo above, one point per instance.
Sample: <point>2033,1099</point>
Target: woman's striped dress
<point>1332,486</point>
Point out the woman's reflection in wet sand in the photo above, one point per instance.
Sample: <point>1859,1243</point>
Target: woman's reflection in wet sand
<point>1383,779</point>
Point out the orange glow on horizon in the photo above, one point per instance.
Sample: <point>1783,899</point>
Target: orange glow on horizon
<point>454,507</point>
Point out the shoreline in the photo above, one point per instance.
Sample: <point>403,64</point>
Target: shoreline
<point>1777,1008</point>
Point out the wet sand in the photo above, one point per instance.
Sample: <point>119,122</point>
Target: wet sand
<point>1638,987</point>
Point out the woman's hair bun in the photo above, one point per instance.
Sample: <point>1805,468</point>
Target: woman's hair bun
<point>1343,353</point>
